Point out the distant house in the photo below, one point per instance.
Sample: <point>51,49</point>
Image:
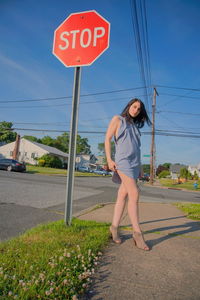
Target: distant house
<point>29,150</point>
<point>175,170</point>
<point>100,160</point>
<point>86,160</point>
<point>192,169</point>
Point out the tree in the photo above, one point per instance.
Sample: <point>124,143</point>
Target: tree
<point>161,168</point>
<point>6,133</point>
<point>166,165</point>
<point>61,142</point>
<point>47,140</point>
<point>101,148</point>
<point>195,176</point>
<point>184,173</point>
<point>146,168</point>
<point>164,174</point>
<point>82,145</point>
<point>51,161</point>
<point>31,138</point>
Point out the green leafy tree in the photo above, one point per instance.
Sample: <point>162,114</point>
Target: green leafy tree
<point>47,140</point>
<point>82,145</point>
<point>51,161</point>
<point>101,148</point>
<point>161,168</point>
<point>195,176</point>
<point>31,138</point>
<point>62,142</point>
<point>7,135</point>
<point>164,174</point>
<point>184,173</point>
<point>146,168</point>
<point>166,165</point>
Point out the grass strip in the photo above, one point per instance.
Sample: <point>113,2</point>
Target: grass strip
<point>51,261</point>
<point>54,171</point>
<point>189,185</point>
<point>191,209</point>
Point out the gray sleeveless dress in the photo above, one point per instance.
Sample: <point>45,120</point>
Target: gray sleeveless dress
<point>127,150</point>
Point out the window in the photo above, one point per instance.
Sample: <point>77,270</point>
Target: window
<point>33,155</point>
<point>11,153</point>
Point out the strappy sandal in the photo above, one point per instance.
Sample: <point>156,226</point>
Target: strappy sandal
<point>114,235</point>
<point>139,241</point>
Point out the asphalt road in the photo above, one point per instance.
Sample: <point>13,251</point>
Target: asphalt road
<point>30,199</point>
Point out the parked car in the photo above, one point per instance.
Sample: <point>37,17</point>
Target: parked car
<point>144,177</point>
<point>12,165</point>
<point>101,172</point>
<point>83,169</point>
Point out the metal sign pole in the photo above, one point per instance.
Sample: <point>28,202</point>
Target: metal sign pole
<point>72,146</point>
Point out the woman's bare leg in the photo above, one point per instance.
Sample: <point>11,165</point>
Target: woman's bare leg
<point>119,205</point>
<point>133,195</point>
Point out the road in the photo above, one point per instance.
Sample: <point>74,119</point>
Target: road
<point>29,199</point>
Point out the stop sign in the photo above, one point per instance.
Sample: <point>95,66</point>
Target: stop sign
<point>81,38</point>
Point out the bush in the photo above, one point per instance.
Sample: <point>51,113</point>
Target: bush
<point>51,161</point>
<point>195,176</point>
<point>164,174</point>
<point>41,162</point>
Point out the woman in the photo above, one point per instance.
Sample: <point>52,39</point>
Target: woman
<point>126,167</point>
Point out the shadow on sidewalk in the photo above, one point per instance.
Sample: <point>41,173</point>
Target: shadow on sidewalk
<point>177,230</point>
<point>101,276</point>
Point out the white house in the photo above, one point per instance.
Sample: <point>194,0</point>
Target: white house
<point>192,169</point>
<point>29,150</point>
<point>175,170</point>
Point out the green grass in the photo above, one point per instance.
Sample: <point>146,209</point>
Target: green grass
<point>54,171</point>
<point>192,210</point>
<point>51,261</point>
<point>173,184</point>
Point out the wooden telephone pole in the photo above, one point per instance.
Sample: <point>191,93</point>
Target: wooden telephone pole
<point>152,163</point>
<point>16,148</point>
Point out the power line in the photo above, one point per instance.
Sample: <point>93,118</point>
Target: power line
<point>63,105</point>
<point>178,88</point>
<point>70,97</point>
<point>157,132</point>
<point>177,112</point>
<point>139,23</point>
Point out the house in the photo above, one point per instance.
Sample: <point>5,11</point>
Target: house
<point>192,169</point>
<point>29,151</point>
<point>175,170</point>
<point>86,160</point>
<point>101,160</point>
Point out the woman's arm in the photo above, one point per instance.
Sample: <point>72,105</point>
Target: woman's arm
<point>111,131</point>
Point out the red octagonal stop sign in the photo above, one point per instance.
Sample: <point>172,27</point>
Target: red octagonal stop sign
<point>81,39</point>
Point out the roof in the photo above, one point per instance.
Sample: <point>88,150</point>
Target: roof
<point>176,168</point>
<point>50,149</point>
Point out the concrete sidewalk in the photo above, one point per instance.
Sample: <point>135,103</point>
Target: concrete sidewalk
<point>171,270</point>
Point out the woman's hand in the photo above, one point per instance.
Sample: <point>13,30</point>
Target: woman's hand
<point>112,165</point>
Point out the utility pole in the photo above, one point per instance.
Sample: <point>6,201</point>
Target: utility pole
<point>16,148</point>
<point>152,163</point>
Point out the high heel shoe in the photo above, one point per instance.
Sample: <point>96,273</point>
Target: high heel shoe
<point>139,241</point>
<point>114,234</point>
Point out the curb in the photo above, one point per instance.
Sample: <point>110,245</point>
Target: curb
<point>90,209</point>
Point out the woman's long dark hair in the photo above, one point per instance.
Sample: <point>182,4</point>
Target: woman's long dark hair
<point>141,118</point>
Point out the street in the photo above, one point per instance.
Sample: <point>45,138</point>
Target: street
<point>30,199</point>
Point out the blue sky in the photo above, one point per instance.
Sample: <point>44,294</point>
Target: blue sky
<point>29,70</point>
